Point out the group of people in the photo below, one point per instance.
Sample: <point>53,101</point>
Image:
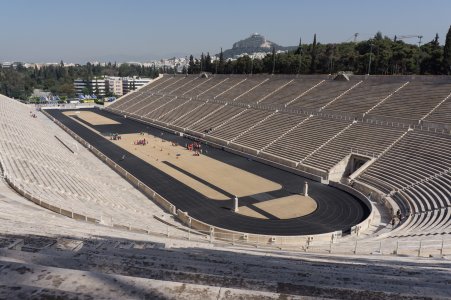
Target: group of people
<point>196,147</point>
<point>115,137</point>
<point>397,217</point>
<point>142,142</point>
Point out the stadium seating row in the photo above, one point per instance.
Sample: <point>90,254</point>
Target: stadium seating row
<point>50,166</point>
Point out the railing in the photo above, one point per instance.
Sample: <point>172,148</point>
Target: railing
<point>420,248</point>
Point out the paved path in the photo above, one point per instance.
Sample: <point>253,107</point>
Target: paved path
<point>336,209</point>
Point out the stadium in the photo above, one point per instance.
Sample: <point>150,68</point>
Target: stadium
<point>200,186</point>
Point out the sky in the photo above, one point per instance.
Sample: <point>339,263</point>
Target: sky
<point>142,30</point>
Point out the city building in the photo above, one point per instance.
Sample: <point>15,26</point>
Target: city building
<point>115,85</point>
<point>104,86</point>
<point>94,86</point>
<point>132,83</point>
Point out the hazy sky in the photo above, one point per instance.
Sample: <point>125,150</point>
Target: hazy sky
<point>125,30</point>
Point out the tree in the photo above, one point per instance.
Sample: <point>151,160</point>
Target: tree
<point>191,65</point>
<point>107,89</point>
<point>221,63</point>
<point>447,53</point>
<point>208,67</point>
<point>273,60</point>
<point>97,91</point>
<point>202,62</point>
<point>299,49</point>
<point>432,57</point>
<point>313,53</point>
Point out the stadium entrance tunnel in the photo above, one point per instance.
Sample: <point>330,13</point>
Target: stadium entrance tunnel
<point>350,166</point>
<point>332,209</point>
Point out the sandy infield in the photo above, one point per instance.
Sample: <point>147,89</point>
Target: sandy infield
<point>161,154</point>
<point>293,206</point>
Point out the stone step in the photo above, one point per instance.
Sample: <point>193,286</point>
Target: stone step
<point>22,280</point>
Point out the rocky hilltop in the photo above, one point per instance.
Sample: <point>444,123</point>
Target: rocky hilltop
<point>255,43</point>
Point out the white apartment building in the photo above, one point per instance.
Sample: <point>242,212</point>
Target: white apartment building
<point>132,83</point>
<point>117,85</point>
<point>93,86</point>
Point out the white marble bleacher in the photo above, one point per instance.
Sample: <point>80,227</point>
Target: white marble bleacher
<point>140,106</point>
<point>323,94</point>
<point>169,86</point>
<point>233,127</point>
<point>414,101</point>
<point>417,170</point>
<point>197,114</point>
<point>363,138</point>
<point>104,267</point>
<point>420,223</point>
<point>365,96</point>
<point>215,119</point>
<point>204,85</point>
<point>293,90</point>
<point>442,114</point>
<point>165,107</point>
<point>417,156</point>
<point>35,160</point>
<point>127,101</point>
<point>226,82</point>
<point>242,88</point>
<point>156,103</point>
<point>306,138</point>
<point>180,110</point>
<point>269,130</point>
<point>184,85</point>
<point>137,96</point>
<point>265,90</point>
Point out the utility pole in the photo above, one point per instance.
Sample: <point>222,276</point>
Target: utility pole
<point>419,53</point>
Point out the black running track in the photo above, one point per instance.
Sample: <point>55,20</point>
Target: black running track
<point>337,210</point>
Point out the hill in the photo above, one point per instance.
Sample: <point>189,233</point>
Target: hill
<point>255,43</point>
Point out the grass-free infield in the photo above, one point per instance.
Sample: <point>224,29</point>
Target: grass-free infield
<point>288,207</point>
<point>94,118</point>
<point>189,169</point>
<point>204,186</point>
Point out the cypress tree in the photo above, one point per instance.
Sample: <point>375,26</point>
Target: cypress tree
<point>191,65</point>
<point>221,63</point>
<point>299,49</point>
<point>447,53</point>
<point>313,56</point>
<point>208,62</point>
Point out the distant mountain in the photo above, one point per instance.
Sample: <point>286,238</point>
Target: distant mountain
<point>255,43</point>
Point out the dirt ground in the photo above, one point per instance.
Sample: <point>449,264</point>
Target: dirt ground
<point>161,154</point>
<point>283,208</point>
<point>95,119</point>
